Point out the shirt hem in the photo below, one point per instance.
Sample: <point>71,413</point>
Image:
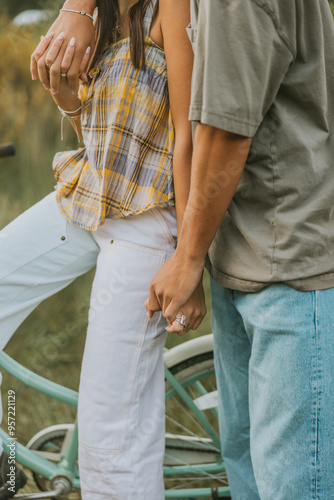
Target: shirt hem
<point>95,225</point>
<point>222,121</point>
<point>319,282</point>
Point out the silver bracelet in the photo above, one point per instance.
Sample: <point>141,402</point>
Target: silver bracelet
<point>78,12</point>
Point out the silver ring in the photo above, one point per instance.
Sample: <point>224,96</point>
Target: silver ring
<point>181,319</point>
<point>63,74</point>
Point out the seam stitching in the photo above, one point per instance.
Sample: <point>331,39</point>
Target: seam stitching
<point>318,391</point>
<point>198,107</point>
<point>274,19</point>
<point>273,158</point>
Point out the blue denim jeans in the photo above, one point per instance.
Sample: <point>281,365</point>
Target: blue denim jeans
<point>274,357</point>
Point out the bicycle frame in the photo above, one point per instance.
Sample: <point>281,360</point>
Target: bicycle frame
<point>66,469</point>
<point>28,458</point>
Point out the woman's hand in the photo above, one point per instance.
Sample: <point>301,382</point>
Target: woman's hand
<point>176,289</point>
<point>65,98</point>
<point>51,53</point>
<point>70,104</point>
<point>194,311</point>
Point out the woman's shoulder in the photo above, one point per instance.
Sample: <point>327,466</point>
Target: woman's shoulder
<point>156,31</point>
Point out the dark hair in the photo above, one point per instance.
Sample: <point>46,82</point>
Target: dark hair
<point>108,13</point>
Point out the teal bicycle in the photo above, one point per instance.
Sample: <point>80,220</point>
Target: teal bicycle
<point>192,467</point>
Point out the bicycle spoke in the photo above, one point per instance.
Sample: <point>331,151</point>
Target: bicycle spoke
<point>205,446</point>
<point>192,455</point>
<point>207,475</point>
<point>191,417</point>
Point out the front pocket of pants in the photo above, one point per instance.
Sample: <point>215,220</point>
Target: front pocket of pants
<point>118,346</point>
<point>161,337</point>
<point>140,248</point>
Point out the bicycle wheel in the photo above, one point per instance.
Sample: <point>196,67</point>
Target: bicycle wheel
<point>192,458</point>
<point>49,444</point>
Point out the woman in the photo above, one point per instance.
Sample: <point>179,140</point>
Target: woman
<point>114,201</point>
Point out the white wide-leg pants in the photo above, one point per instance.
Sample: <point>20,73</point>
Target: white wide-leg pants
<point>121,396</point>
<point>121,402</point>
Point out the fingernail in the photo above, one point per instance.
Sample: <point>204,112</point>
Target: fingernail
<point>42,38</point>
<point>72,42</point>
<point>148,316</point>
<point>53,91</point>
<point>88,50</point>
<point>49,35</point>
<point>61,36</point>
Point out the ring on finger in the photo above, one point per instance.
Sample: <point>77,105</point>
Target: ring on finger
<point>63,74</point>
<point>181,319</point>
<point>185,327</point>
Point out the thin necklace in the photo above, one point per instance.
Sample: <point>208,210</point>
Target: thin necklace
<point>116,32</point>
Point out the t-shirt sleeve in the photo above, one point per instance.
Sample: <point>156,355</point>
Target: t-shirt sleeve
<point>240,62</point>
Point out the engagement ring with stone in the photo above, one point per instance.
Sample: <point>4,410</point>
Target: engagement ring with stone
<point>181,319</point>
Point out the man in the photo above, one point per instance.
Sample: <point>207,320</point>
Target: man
<point>261,205</point>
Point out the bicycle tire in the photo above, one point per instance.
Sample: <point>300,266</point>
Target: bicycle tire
<point>189,370</point>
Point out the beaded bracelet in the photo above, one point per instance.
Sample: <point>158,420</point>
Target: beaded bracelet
<point>78,12</point>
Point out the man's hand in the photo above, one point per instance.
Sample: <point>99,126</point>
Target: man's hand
<point>172,287</point>
<point>218,160</point>
<point>51,51</point>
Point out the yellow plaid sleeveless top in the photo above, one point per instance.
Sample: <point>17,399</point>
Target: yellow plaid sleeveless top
<point>125,167</point>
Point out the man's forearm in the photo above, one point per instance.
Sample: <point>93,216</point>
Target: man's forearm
<point>218,162</point>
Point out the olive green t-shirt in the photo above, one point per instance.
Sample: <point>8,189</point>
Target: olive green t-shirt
<point>264,69</point>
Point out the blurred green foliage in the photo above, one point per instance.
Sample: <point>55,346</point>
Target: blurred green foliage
<point>30,119</point>
<point>14,7</point>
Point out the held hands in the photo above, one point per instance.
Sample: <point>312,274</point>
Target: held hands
<point>177,290</point>
<point>193,310</point>
<point>64,50</point>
